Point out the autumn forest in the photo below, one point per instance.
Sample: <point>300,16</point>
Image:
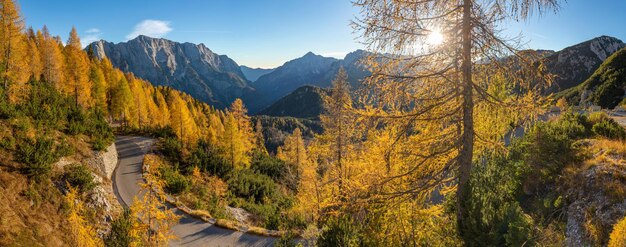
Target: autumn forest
<point>444,132</point>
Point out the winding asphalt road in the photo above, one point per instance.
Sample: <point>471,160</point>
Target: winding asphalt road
<point>190,231</point>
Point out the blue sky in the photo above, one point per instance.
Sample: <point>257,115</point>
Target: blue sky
<point>268,33</point>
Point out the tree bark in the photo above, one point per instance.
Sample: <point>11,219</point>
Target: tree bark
<point>7,58</point>
<point>467,137</point>
<point>76,94</point>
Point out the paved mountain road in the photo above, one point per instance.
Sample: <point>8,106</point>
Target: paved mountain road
<point>619,116</point>
<point>190,231</point>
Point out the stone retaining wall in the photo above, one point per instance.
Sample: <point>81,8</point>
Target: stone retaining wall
<point>104,162</point>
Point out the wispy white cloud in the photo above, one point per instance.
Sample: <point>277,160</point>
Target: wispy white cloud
<point>152,28</point>
<point>335,54</point>
<point>93,30</point>
<point>90,35</point>
<point>541,36</point>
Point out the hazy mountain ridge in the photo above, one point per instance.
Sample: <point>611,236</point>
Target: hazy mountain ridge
<point>310,69</point>
<point>252,74</point>
<point>195,69</point>
<point>304,102</point>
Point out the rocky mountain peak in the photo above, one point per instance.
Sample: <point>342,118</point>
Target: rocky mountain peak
<point>192,68</point>
<point>309,63</point>
<point>588,53</point>
<point>355,55</point>
<point>604,46</point>
<point>576,63</point>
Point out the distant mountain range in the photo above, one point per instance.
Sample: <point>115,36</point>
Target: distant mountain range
<point>571,66</point>
<point>252,74</point>
<point>194,69</point>
<point>310,69</point>
<point>218,80</point>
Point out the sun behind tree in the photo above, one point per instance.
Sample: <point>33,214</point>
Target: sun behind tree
<point>432,96</point>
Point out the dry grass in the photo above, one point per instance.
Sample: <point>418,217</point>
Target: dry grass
<point>613,147</point>
<point>552,235</point>
<point>258,231</point>
<point>265,232</point>
<point>201,214</point>
<point>34,213</point>
<point>228,224</point>
<point>605,151</point>
<point>606,163</point>
<point>30,215</point>
<point>613,154</point>
<point>593,228</point>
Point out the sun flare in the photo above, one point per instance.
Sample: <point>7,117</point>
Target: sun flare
<point>434,38</point>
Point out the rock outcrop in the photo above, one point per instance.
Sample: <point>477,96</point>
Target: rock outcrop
<point>596,200</point>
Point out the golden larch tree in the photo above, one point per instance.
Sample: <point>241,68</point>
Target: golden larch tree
<point>215,129</point>
<point>154,221</point>
<point>181,120</point>
<point>154,115</point>
<point>13,50</point>
<point>293,150</point>
<point>431,87</point>
<point>34,60</point>
<point>259,139</point>
<point>237,142</point>
<point>98,88</point>
<point>77,71</point>
<point>234,144</point>
<point>337,140</point>
<point>140,110</point>
<point>164,112</point>
<point>239,112</point>
<point>83,234</point>
<point>121,100</point>
<point>52,58</point>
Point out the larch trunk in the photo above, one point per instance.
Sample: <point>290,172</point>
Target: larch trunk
<point>467,135</point>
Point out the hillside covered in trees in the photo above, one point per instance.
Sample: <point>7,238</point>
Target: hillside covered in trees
<point>57,103</point>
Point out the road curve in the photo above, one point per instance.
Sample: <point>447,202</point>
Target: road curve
<point>619,117</point>
<point>190,231</point>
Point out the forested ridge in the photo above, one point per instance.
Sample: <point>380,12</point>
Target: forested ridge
<point>58,103</point>
<point>31,56</point>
